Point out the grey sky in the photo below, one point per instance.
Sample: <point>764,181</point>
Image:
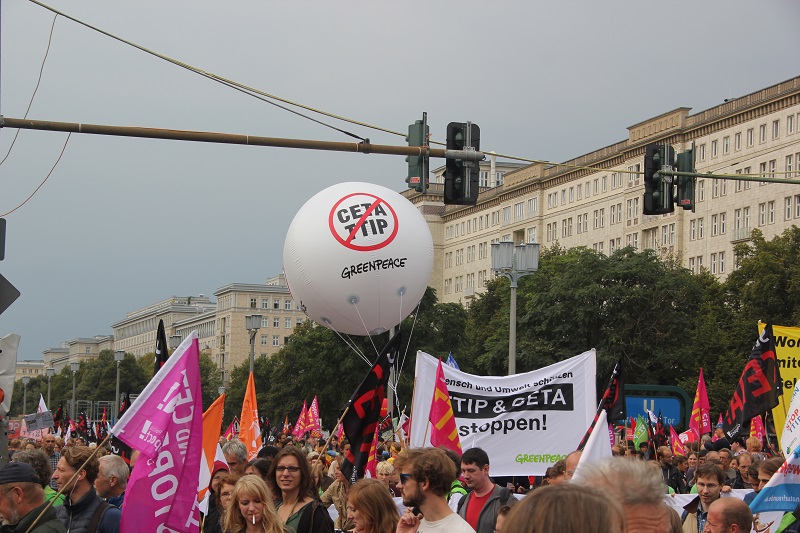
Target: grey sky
<point>123,222</point>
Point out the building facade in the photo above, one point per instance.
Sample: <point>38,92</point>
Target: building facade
<point>596,200</point>
<point>77,350</point>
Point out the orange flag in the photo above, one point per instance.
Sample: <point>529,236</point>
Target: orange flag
<point>249,429</point>
<point>212,423</point>
<point>444,431</point>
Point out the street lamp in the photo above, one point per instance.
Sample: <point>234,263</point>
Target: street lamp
<point>221,390</point>
<point>74,366</point>
<point>252,323</point>
<point>514,262</point>
<point>119,355</point>
<point>25,381</point>
<point>175,341</point>
<point>50,371</point>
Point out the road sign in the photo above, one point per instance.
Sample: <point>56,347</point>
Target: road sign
<point>670,408</point>
<point>8,293</point>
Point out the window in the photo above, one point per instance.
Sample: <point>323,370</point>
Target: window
<point>253,302</point>
<point>714,228</point>
<point>533,206</point>
<point>789,160</point>
<point>276,340</point>
<point>701,190</point>
<point>722,219</point>
<point>691,265</point>
<point>532,234</point>
<point>737,141</point>
<point>771,211</point>
<point>714,148</point>
<point>604,185</point>
<point>789,124</point>
<point>265,322</point>
<point>619,213</point>
<point>264,340</point>
<point>693,230</point>
<point>596,186</point>
<point>701,152</point>
<point>500,177</point>
<point>586,190</point>
<point>276,322</point>
<point>797,206</point>
<point>750,137</point>
<point>483,178</point>
<point>762,214</point>
<point>571,194</point>
<point>746,217</point>
<point>726,145</point>
<point>762,133</point>
<point>776,128</point>
<point>613,214</point>
<point>276,303</point>
<point>264,303</point>
<point>287,304</point>
<point>287,323</point>
<point>787,202</point>
<point>519,211</point>
<point>713,263</point>
<point>507,215</point>
<point>747,184</point>
<point>700,227</point>
<point>563,196</point>
<point>722,262</point>
<point>580,193</point>
<point>772,167</point>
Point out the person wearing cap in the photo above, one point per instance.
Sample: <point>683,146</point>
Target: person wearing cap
<point>22,501</point>
<point>83,508</point>
<point>721,442</point>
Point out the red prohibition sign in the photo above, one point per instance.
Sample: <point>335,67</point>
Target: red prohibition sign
<point>355,221</point>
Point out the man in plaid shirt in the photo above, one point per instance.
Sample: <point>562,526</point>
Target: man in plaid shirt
<point>48,447</point>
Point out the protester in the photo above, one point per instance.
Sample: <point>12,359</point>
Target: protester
<point>635,486</point>
<point>766,469</point>
<point>669,473</point>
<point>383,472</point>
<point>290,476</point>
<point>479,507</point>
<point>251,509</point>
<point>226,485</point>
<point>83,504</point>
<point>721,442</point>
<point>559,473</point>
<point>709,485</point>
<point>726,458</point>
<point>566,508</point>
<point>740,480</point>
<point>692,459</point>
<point>212,521</point>
<point>728,515</point>
<point>571,464</point>
<point>320,481</point>
<point>38,460</point>
<point>235,453</point>
<point>336,494</point>
<point>49,449</point>
<point>22,499</point>
<point>370,508</point>
<point>457,490</point>
<point>502,514</point>
<point>112,478</point>
<point>259,467</point>
<point>426,475</point>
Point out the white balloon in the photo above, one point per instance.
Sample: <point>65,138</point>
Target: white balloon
<point>358,258</point>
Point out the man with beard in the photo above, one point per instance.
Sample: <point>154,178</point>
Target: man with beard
<point>22,501</point>
<point>425,477</point>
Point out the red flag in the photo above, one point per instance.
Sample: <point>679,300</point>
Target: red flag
<point>300,425</point>
<point>701,410</point>
<point>249,429</point>
<point>233,429</point>
<point>444,431</point>
<point>757,428</point>
<point>313,421</point>
<point>677,444</point>
<point>372,459</point>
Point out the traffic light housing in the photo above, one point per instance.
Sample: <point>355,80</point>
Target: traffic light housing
<point>686,184</point>
<point>417,136</point>
<point>461,177</point>
<point>659,189</point>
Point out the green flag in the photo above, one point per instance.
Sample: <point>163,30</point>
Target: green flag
<point>640,434</point>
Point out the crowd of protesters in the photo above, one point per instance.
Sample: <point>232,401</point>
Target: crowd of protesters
<point>297,486</point>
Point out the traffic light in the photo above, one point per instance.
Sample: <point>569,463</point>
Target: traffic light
<point>659,189</point>
<point>461,177</point>
<point>417,136</point>
<point>685,162</point>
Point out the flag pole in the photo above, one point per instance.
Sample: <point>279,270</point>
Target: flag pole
<point>333,432</point>
<point>425,438</point>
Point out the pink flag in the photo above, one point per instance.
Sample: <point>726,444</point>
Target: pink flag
<point>312,417</point>
<point>675,440</point>
<point>757,428</point>
<point>700,420</point>
<point>165,424</point>
<point>300,426</point>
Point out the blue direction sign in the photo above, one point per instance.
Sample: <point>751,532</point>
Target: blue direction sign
<point>670,408</point>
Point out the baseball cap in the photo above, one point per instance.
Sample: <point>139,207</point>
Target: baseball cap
<point>18,473</point>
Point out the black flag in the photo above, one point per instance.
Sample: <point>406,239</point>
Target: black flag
<point>364,411</point>
<point>613,402</point>
<point>758,388</point>
<point>161,348</point>
<point>117,446</point>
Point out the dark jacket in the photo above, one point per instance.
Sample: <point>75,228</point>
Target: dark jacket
<point>488,518</point>
<point>48,523</point>
<point>78,516</point>
<point>673,478</point>
<point>315,519</point>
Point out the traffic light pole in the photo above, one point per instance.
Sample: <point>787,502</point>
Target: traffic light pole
<point>364,147</point>
<point>763,179</point>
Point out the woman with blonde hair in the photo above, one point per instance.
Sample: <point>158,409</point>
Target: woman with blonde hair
<point>370,508</point>
<point>566,508</point>
<point>251,509</point>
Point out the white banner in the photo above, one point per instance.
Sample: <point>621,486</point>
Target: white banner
<point>525,422</point>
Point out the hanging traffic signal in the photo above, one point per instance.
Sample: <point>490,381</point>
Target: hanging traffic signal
<point>659,188</point>
<point>460,176</point>
<point>417,136</point>
<point>686,184</point>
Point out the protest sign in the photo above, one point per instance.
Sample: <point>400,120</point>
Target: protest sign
<point>525,422</point>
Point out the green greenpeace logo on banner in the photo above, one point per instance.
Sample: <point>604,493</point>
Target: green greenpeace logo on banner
<point>640,435</point>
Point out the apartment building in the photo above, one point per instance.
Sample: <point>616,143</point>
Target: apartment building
<point>596,200</point>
